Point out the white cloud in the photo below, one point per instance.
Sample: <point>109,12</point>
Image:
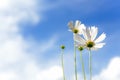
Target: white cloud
<point>43,46</point>
<point>53,73</point>
<point>8,75</point>
<point>15,61</point>
<point>18,10</point>
<point>112,72</point>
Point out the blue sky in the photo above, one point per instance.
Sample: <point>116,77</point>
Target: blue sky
<point>103,14</point>
<point>34,30</point>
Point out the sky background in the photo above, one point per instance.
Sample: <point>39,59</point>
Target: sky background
<point>31,32</point>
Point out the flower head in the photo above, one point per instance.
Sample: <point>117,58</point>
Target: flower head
<point>62,47</point>
<point>77,27</point>
<point>90,41</point>
<point>80,48</point>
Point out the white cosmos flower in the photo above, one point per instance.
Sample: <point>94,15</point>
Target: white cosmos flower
<point>90,41</point>
<point>77,27</point>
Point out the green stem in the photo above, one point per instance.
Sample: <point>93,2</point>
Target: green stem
<point>90,64</point>
<point>75,65</point>
<point>63,64</point>
<point>83,69</point>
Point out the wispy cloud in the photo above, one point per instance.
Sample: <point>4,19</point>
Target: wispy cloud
<point>16,62</point>
<point>111,72</point>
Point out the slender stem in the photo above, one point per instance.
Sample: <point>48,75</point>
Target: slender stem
<point>63,64</point>
<point>82,62</point>
<point>75,65</point>
<point>90,64</point>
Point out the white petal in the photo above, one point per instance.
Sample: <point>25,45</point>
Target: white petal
<point>99,45</point>
<point>80,28</point>
<point>77,44</point>
<point>94,48</point>
<point>84,34</point>
<point>94,32</point>
<point>77,23</point>
<point>70,25</point>
<point>88,34</point>
<point>79,39</point>
<point>89,30</point>
<point>100,38</point>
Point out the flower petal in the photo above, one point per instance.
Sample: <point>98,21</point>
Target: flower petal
<point>79,39</point>
<point>94,31</point>
<point>94,48</point>
<point>80,28</point>
<point>84,34</point>
<point>70,25</point>
<point>99,45</point>
<point>88,33</point>
<point>77,44</point>
<point>77,23</point>
<point>100,38</point>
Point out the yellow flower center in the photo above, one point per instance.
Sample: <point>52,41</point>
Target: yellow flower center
<point>90,44</point>
<point>75,30</point>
